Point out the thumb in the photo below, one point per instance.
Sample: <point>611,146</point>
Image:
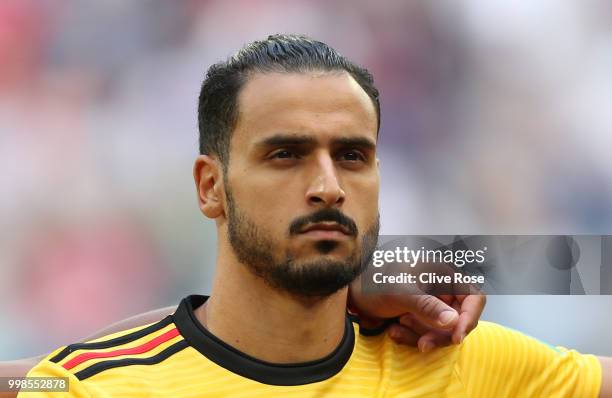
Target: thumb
<point>430,310</point>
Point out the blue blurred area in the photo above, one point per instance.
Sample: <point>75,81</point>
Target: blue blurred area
<point>495,119</point>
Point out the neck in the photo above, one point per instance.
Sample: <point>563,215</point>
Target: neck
<point>269,324</point>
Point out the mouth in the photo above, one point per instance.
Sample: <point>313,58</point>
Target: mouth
<point>329,230</point>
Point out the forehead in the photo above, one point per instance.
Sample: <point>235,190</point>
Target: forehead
<point>326,104</point>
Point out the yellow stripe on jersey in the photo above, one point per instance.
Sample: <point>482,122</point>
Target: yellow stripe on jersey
<point>501,362</point>
<point>493,361</point>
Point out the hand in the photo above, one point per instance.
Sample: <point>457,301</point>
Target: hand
<point>419,330</point>
<point>424,321</point>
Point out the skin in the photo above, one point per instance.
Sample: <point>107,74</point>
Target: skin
<point>606,383</point>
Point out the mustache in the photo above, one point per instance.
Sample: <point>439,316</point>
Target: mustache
<point>330,215</point>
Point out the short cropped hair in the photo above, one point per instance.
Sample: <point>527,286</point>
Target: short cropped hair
<point>218,100</point>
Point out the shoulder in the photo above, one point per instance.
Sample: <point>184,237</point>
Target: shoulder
<point>516,364</point>
<point>148,344</point>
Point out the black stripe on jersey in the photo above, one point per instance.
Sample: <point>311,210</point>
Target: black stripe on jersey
<point>113,342</point>
<point>372,331</point>
<point>105,365</point>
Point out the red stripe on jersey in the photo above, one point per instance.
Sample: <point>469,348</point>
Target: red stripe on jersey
<point>148,346</point>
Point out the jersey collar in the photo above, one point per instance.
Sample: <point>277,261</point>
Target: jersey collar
<point>247,366</point>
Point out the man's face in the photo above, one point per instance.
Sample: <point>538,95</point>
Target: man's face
<point>302,182</point>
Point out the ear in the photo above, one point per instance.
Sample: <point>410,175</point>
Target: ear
<point>208,178</point>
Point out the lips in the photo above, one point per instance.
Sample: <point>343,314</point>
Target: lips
<point>326,227</point>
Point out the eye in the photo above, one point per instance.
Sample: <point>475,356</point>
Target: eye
<point>353,156</point>
<point>283,154</point>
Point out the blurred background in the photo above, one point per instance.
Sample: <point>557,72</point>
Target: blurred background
<point>496,119</point>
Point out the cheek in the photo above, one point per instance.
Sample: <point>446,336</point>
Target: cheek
<point>271,212</point>
<point>365,208</point>
<point>268,198</point>
<point>365,198</point>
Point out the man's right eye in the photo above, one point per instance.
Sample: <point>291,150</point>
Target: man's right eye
<point>283,154</point>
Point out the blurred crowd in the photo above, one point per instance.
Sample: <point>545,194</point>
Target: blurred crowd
<point>496,118</point>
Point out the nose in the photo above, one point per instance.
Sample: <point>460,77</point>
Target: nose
<point>325,189</point>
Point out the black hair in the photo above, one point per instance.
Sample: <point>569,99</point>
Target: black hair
<point>218,100</point>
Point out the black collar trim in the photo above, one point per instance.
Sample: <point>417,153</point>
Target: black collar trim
<point>244,365</point>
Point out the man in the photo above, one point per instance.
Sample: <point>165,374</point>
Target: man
<point>288,171</point>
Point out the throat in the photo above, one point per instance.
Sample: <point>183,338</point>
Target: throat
<point>276,327</point>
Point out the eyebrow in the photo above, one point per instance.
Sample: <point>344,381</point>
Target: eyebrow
<point>361,142</point>
<point>295,140</point>
<point>286,139</point>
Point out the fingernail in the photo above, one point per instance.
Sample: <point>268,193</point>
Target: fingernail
<point>446,317</point>
<point>427,346</point>
<point>461,337</point>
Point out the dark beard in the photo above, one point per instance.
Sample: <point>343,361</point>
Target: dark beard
<point>319,278</point>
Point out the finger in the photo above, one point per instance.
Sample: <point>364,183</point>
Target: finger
<point>469,314</point>
<point>428,338</point>
<point>433,339</point>
<point>447,298</point>
<point>406,319</point>
<point>409,321</point>
<point>460,297</point>
<point>403,335</point>
<point>434,312</point>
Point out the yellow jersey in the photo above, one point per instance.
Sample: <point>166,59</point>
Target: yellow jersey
<point>177,357</point>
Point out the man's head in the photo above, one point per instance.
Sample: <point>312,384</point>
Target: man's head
<point>288,167</point>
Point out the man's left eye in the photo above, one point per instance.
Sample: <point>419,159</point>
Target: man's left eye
<point>352,156</point>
